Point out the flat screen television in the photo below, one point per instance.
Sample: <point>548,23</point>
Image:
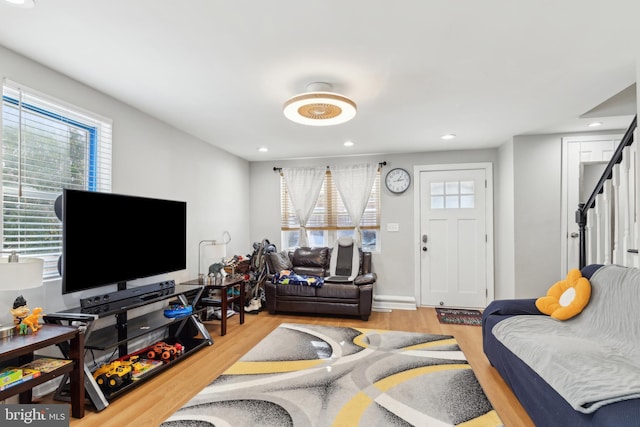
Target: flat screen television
<point>112,238</point>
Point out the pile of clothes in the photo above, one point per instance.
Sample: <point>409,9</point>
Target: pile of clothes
<point>289,277</point>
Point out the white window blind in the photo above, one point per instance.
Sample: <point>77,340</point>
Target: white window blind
<point>47,145</point>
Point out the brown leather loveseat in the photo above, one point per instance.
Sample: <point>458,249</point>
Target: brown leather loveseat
<point>354,298</point>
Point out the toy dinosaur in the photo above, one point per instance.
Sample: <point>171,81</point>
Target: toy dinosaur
<point>32,320</point>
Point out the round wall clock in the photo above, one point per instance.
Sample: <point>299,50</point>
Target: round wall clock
<point>398,180</point>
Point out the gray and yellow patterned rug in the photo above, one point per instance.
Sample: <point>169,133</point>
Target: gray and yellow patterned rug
<point>311,375</point>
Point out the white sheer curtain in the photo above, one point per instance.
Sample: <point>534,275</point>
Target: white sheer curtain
<point>304,185</point>
<point>354,184</point>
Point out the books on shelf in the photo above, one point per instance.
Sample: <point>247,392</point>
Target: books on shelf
<point>46,364</point>
<point>12,376</point>
<point>28,374</point>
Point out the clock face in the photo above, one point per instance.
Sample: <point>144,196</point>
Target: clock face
<point>397,180</point>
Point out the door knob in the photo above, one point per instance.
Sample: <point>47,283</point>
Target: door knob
<point>574,234</point>
<point>424,249</point>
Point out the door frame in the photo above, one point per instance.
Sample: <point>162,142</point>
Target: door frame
<point>417,244</point>
<point>564,209</point>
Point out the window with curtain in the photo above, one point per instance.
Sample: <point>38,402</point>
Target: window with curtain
<point>47,145</point>
<point>330,219</point>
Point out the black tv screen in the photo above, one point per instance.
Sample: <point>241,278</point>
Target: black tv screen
<point>113,238</point>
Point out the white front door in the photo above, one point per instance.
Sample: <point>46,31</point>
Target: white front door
<point>455,246</point>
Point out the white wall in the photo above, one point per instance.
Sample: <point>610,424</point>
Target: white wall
<point>394,264</point>
<point>537,177</point>
<point>150,159</point>
<point>504,224</point>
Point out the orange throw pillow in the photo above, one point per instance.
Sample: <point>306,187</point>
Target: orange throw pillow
<point>566,298</point>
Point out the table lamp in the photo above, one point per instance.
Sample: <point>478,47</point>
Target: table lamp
<point>20,273</point>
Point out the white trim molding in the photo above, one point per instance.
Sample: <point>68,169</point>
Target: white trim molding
<point>393,302</point>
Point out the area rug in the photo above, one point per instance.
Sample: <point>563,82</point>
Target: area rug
<point>458,316</point>
<point>312,375</point>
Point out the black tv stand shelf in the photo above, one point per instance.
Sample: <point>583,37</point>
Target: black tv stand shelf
<point>106,338</point>
<point>188,331</point>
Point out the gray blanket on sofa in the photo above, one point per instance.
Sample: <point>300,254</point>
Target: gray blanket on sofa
<point>592,359</point>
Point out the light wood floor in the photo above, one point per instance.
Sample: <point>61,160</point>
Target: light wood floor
<point>152,402</point>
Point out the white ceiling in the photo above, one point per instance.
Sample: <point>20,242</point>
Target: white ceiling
<point>221,70</point>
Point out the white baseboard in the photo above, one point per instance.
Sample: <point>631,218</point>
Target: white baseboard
<point>393,302</point>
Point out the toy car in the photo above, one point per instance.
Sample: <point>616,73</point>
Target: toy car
<point>112,375</point>
<point>165,352</point>
<point>178,311</point>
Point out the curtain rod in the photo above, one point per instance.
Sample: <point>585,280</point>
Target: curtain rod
<point>279,170</point>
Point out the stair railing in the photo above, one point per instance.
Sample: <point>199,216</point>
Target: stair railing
<point>583,208</point>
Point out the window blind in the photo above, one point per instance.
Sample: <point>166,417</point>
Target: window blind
<point>329,212</point>
<point>47,145</point>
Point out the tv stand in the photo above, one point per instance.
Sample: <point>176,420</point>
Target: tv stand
<point>176,330</point>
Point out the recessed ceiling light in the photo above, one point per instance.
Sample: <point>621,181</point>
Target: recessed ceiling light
<point>22,3</point>
<point>349,143</point>
<point>595,124</point>
<point>263,149</point>
<point>448,136</point>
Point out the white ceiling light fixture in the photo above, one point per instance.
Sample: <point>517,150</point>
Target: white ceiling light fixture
<point>22,3</point>
<point>448,136</point>
<point>595,124</point>
<point>319,106</point>
<point>349,143</point>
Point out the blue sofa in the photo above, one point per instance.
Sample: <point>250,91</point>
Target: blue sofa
<point>545,406</point>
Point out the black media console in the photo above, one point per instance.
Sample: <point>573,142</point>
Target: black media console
<point>144,293</point>
<point>188,330</point>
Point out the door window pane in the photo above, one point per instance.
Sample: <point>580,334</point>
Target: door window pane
<point>467,202</point>
<point>452,187</point>
<point>467,187</point>
<point>452,202</point>
<point>437,202</point>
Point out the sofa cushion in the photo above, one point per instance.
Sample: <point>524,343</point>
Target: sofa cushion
<point>338,290</point>
<point>295,290</point>
<point>279,261</point>
<point>311,261</point>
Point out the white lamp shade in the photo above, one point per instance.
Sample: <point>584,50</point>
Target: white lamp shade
<point>24,274</point>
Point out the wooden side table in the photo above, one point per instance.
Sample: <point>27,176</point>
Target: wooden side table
<point>228,284</point>
<point>22,347</point>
